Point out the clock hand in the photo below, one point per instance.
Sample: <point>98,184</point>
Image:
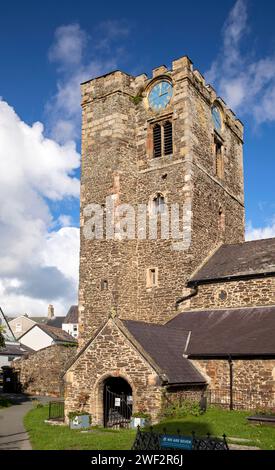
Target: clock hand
<point>160,89</point>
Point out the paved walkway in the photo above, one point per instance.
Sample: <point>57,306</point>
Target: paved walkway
<point>12,432</point>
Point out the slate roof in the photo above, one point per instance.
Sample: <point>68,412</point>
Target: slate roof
<point>235,332</point>
<point>56,321</point>
<point>72,315</point>
<point>166,345</point>
<point>39,319</point>
<point>238,260</point>
<point>15,350</point>
<point>57,334</point>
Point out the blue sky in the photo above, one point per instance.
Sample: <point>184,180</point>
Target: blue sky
<point>46,49</point>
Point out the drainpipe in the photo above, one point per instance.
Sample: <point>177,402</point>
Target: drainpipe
<point>230,362</point>
<point>193,292</point>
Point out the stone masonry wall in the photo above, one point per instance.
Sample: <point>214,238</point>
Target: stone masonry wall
<point>111,354</point>
<point>41,373</point>
<point>117,161</point>
<point>253,381</point>
<point>177,395</point>
<point>244,293</point>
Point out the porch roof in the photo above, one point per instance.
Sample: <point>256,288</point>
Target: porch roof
<point>167,347</point>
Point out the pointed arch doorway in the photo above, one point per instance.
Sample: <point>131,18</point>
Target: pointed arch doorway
<point>117,402</point>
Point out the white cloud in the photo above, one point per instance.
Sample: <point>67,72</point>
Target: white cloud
<point>68,46</point>
<point>62,251</point>
<point>39,253</point>
<point>69,52</point>
<point>247,84</point>
<point>257,233</point>
<point>64,220</point>
<point>36,267</point>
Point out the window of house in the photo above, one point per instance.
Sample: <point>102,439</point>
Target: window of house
<point>152,277</point>
<point>18,327</point>
<point>219,162</point>
<point>162,139</point>
<point>75,327</point>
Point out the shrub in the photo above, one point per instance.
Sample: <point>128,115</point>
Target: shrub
<point>141,414</point>
<point>265,411</point>
<point>4,403</point>
<point>179,410</point>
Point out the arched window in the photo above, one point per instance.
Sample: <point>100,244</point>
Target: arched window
<point>162,139</point>
<point>158,204</point>
<point>104,284</point>
<point>219,161</point>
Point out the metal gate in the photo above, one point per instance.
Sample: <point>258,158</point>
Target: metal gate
<point>117,409</point>
<point>11,380</point>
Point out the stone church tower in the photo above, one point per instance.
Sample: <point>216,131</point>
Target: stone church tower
<point>153,141</point>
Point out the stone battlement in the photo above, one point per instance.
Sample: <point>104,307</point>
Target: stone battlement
<point>137,86</point>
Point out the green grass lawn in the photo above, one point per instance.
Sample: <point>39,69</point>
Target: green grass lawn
<point>216,421</point>
<point>45,436</point>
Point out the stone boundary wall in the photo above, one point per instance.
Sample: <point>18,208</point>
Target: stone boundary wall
<point>41,372</point>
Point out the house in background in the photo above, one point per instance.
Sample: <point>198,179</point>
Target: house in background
<point>24,323</point>
<point>70,323</point>
<point>41,336</point>
<point>12,349</point>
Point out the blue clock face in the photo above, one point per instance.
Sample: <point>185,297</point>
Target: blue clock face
<point>217,118</point>
<point>160,95</point>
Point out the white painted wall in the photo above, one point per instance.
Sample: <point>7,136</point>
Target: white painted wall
<point>36,339</point>
<point>4,361</point>
<point>71,328</point>
<point>21,325</point>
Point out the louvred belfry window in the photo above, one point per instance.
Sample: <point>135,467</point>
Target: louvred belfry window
<point>157,140</point>
<point>162,139</point>
<point>168,138</point>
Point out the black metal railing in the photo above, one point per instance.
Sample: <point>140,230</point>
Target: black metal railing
<point>241,399</point>
<point>150,440</point>
<point>56,410</point>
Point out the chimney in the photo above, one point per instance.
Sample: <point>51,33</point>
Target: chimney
<point>50,311</point>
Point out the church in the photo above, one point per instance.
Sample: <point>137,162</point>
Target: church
<point>164,318</point>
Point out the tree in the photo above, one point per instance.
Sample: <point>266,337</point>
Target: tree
<point>2,339</point>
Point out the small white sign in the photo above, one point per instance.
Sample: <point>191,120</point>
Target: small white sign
<point>117,401</point>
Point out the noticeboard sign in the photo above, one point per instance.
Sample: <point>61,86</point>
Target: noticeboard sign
<point>176,442</point>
